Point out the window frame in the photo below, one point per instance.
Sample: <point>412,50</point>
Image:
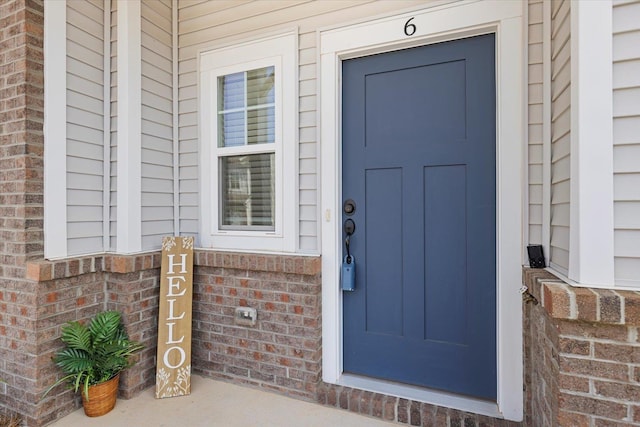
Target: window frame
<point>218,152</point>
<point>279,51</point>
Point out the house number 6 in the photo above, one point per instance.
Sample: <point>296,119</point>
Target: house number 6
<point>409,28</point>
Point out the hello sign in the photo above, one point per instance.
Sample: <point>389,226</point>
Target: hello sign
<point>173,371</point>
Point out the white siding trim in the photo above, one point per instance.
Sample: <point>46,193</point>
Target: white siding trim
<point>546,130</point>
<point>106,162</point>
<point>591,257</point>
<point>176,117</point>
<point>524,167</point>
<point>55,129</point>
<point>435,24</point>
<point>129,128</point>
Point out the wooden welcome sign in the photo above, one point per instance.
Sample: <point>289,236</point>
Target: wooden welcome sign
<point>173,372</point>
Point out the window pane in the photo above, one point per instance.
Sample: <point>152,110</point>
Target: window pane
<point>256,104</point>
<point>260,86</point>
<point>247,192</point>
<point>261,125</point>
<point>231,129</point>
<point>231,91</point>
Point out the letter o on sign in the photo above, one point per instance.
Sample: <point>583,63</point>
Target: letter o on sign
<point>183,356</point>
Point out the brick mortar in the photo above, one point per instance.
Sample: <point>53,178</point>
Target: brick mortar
<point>565,302</point>
<point>282,353</point>
<point>583,354</point>
<point>402,411</point>
<point>45,270</point>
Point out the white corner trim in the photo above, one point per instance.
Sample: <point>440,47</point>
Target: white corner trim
<point>432,25</point>
<point>55,129</point>
<point>546,131</point>
<point>591,256</point>
<point>129,210</point>
<point>176,117</point>
<point>524,167</point>
<point>106,129</point>
<point>510,42</point>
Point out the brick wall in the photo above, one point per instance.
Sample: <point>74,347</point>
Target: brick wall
<point>132,287</point>
<point>59,301</point>
<point>76,289</point>
<point>21,211</point>
<point>282,352</point>
<point>584,367</point>
<point>403,411</point>
<point>541,359</point>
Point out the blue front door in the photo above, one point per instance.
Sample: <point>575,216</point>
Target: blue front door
<point>419,163</point>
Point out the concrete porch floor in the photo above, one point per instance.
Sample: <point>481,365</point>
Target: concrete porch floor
<point>215,403</point>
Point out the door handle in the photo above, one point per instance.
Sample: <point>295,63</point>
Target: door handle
<point>349,227</point>
<point>348,273</point>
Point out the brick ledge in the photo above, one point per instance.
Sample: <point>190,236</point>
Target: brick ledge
<point>565,302</point>
<point>294,264</point>
<point>44,270</point>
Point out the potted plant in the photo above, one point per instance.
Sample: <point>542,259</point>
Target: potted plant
<point>92,359</point>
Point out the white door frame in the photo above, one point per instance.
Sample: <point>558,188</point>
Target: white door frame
<point>426,26</point>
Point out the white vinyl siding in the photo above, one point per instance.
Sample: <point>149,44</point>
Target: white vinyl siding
<point>626,140</point>
<point>560,133</point>
<point>308,185</point>
<point>535,125</point>
<point>85,127</point>
<point>113,197</point>
<point>157,123</point>
<point>205,24</point>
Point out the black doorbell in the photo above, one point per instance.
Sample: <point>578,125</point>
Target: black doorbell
<point>536,257</point>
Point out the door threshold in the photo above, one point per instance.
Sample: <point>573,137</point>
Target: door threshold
<point>419,394</point>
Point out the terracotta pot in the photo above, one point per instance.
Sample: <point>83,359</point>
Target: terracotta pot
<point>102,397</point>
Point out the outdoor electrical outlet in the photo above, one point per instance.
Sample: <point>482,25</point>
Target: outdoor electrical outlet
<point>246,316</point>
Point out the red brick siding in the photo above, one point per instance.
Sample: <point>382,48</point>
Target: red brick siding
<point>402,411</point>
<point>584,355</point>
<point>136,296</point>
<point>282,351</point>
<point>21,211</point>
<point>59,301</point>
<point>541,363</point>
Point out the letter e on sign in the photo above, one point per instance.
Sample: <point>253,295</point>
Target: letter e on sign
<point>173,372</point>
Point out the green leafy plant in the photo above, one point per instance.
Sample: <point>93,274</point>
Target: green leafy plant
<point>94,353</point>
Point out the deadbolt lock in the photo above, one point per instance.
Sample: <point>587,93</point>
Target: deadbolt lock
<point>349,207</point>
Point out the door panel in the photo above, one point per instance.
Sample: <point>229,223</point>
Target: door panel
<point>419,161</point>
<point>400,94</point>
<point>383,228</point>
<point>445,220</point>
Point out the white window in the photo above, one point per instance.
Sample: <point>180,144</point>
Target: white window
<point>248,120</point>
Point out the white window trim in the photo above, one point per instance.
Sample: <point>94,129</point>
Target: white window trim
<point>436,24</point>
<point>55,129</point>
<point>279,50</point>
<point>591,246</point>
